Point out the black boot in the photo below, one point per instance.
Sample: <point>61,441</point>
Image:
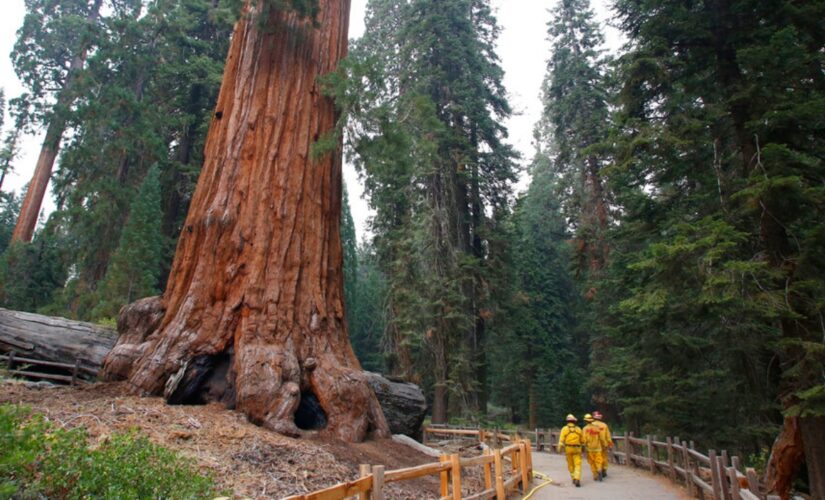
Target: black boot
<point>577,483</point>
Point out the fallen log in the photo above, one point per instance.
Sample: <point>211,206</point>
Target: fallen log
<point>57,340</point>
<point>64,341</point>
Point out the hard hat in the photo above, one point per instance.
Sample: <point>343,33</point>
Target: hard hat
<point>597,415</point>
<point>571,418</point>
<point>588,418</point>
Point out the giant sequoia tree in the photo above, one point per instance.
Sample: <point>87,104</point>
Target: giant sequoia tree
<point>50,54</point>
<point>254,307</point>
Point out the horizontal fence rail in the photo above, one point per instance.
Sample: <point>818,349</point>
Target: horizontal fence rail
<point>500,478</point>
<point>13,363</point>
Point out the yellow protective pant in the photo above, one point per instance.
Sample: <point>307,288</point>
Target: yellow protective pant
<point>605,459</point>
<point>574,462</point>
<point>594,458</point>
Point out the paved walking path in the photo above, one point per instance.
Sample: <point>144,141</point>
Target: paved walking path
<point>622,483</point>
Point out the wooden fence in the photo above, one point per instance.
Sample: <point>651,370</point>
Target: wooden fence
<point>498,482</point>
<point>715,476</point>
<point>14,362</point>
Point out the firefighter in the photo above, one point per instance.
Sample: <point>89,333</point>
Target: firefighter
<point>594,443</point>
<point>608,438</point>
<point>570,440</point>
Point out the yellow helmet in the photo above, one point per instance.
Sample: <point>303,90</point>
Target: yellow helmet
<point>571,418</point>
<point>588,418</point>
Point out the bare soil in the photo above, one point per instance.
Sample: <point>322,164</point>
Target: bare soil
<point>244,459</point>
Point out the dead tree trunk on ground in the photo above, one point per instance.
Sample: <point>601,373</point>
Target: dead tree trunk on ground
<point>254,311</point>
<point>55,339</point>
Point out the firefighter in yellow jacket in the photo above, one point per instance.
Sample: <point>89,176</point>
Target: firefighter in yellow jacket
<point>570,440</point>
<point>594,443</point>
<point>607,437</point>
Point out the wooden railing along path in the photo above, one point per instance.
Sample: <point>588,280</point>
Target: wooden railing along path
<point>715,476</point>
<point>498,482</point>
<point>12,362</point>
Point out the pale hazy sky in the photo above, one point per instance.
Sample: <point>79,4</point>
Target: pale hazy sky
<point>522,47</point>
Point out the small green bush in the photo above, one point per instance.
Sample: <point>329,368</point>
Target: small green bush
<point>38,459</point>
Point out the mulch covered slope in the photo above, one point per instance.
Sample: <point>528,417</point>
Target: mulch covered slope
<point>243,458</point>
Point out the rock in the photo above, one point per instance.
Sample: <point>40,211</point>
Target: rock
<point>403,403</point>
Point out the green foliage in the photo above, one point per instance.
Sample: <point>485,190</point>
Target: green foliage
<point>31,273</point>
<point>40,459</point>
<point>143,98</point>
<point>367,313</point>
<point>537,361</point>
<point>712,297</point>
<point>425,133</point>
<point>136,264</point>
<point>9,209</point>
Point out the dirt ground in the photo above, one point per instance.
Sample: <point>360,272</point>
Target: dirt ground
<point>244,459</point>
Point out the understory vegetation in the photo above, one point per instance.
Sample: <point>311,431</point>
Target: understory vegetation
<point>39,459</point>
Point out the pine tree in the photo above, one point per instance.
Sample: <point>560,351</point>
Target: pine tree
<point>367,315</point>
<point>136,264</point>
<point>576,119</point>
<point>718,173</point>
<point>430,144</point>
<point>538,359</point>
<point>349,243</point>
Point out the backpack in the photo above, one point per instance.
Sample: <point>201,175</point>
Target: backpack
<point>573,437</point>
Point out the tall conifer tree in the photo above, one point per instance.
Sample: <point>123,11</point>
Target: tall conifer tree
<point>436,165</point>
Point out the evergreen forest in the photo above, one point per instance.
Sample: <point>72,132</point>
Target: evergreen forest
<point>664,264</point>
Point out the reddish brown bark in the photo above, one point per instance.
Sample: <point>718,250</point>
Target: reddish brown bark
<point>786,459</point>
<point>255,295</point>
<point>29,212</point>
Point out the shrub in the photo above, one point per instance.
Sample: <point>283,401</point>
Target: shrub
<point>38,459</point>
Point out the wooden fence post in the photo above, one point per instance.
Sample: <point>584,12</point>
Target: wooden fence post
<point>525,481</point>
<point>455,472</point>
<point>651,464</point>
<point>500,493</point>
<point>734,484</point>
<point>724,462</point>
<point>514,459</point>
<point>670,466</point>
<point>445,477</point>
<point>378,482</point>
<point>691,486</point>
<point>716,481</point>
<point>753,482</point>
<point>75,370</point>
<point>530,460</point>
<point>488,476</point>
<point>11,360</point>
<point>364,470</point>
<point>629,449</point>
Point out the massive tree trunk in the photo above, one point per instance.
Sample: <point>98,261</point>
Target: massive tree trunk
<point>786,459</point>
<point>29,212</point>
<point>254,311</point>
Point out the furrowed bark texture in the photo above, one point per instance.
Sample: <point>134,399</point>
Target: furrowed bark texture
<point>787,456</point>
<point>255,295</point>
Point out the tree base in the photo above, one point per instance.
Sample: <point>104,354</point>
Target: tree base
<point>276,389</point>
